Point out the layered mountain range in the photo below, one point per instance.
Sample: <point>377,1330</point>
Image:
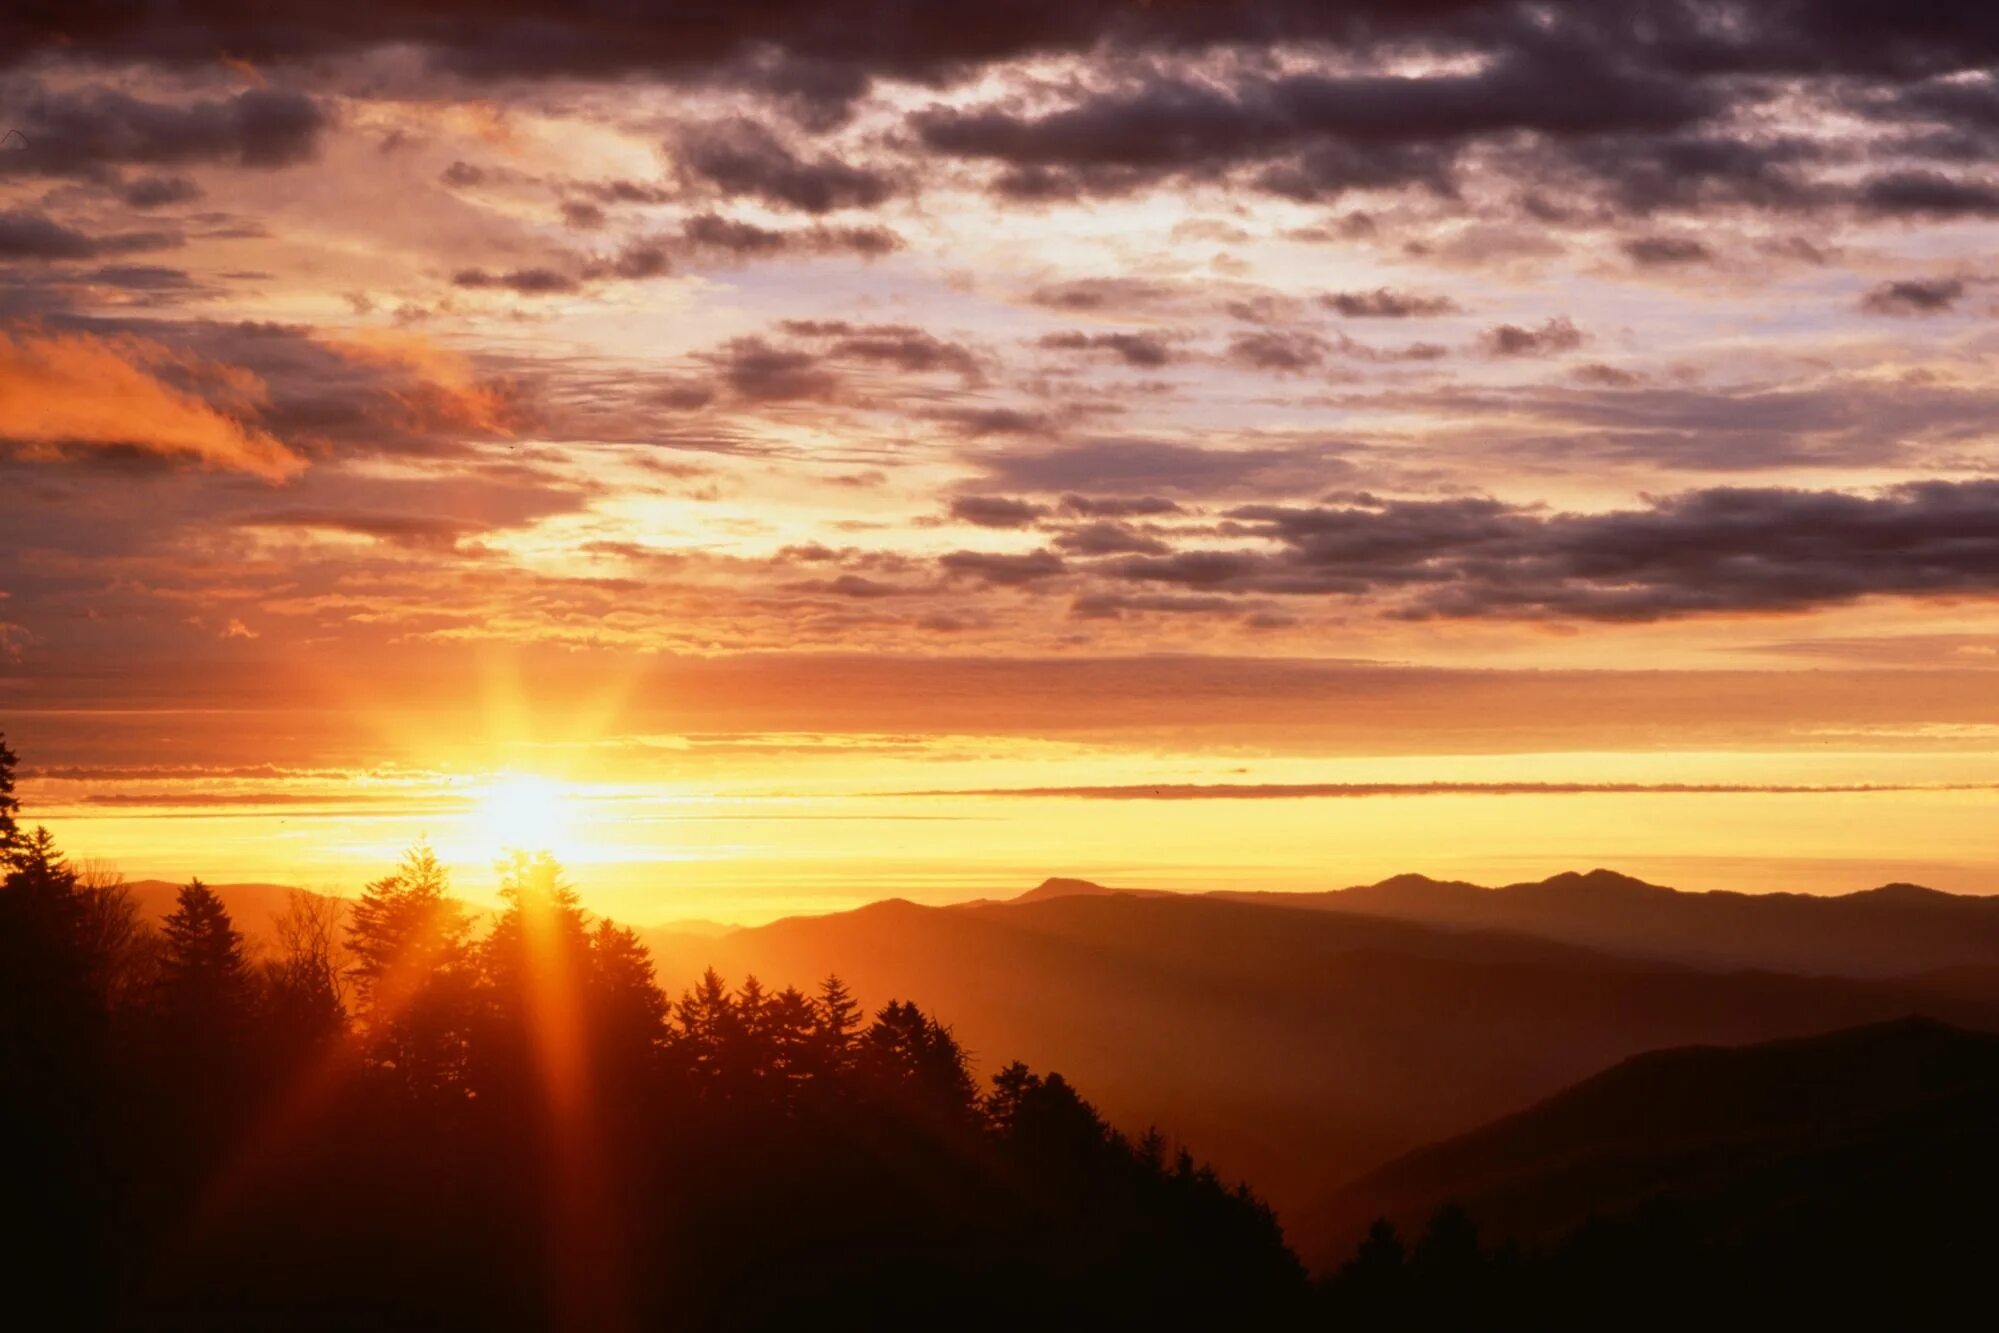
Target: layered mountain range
<point>1309,1041</point>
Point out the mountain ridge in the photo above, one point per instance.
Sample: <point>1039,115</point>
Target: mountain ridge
<point>1723,1131</point>
<point>1299,1045</point>
<point>1890,930</point>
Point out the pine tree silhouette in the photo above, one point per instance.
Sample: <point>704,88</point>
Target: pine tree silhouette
<point>204,977</point>
<point>837,1019</point>
<point>528,1135</point>
<point>412,974</point>
<point>9,805</point>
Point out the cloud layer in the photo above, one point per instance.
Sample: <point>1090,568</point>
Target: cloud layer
<point>1463,331</point>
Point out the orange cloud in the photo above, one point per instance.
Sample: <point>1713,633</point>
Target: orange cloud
<point>449,391</point>
<point>65,390</point>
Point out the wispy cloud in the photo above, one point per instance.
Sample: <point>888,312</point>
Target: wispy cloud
<point>1284,791</point>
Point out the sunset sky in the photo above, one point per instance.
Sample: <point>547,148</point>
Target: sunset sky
<point>812,451</point>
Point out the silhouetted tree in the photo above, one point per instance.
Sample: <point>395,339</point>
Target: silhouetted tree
<point>707,1030</point>
<point>628,1010</point>
<point>56,1091</point>
<point>1448,1269</point>
<point>123,949</point>
<point>412,974</point>
<point>752,1060</point>
<point>790,1023</point>
<point>46,962</point>
<point>39,866</point>
<point>914,1058</point>
<point>304,1004</point>
<point>529,1136</point>
<point>204,978</point>
<point>828,1053</point>
<point>10,806</point>
<point>1371,1290</point>
<point>1045,1117</point>
<point>533,978</point>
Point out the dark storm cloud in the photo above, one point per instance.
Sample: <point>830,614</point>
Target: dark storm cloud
<point>901,346</point>
<point>1137,467</point>
<point>74,133</point>
<point>851,585</point>
<point>1931,195</point>
<point>1642,174</point>
<point>157,191</point>
<point>818,53</point>
<point>980,421</point>
<point>1955,102</point>
<point>520,281</point>
<point>709,231</point>
<point>1607,376</point>
<point>625,192</point>
<point>143,278</point>
<point>1202,569</point>
<point>29,235</point>
<point>1616,415</point>
<point>1625,107</point>
<point>1914,296</point>
<point>635,262</point>
<point>1706,552</point>
<point>1283,352</point>
<point>1549,339</point>
<point>1095,295</point>
<point>759,371</point>
<point>741,157</point>
<point>1665,251</point>
<point>1113,606</point>
<point>1384,303</point>
<point>1112,506</point>
<point>1104,537</point>
<point>1355,350</point>
<point>995,511</point>
<point>821,42</point>
<point>1320,134</point>
<point>1005,571</point>
<point>711,234</point>
<point>1563,70</point>
<point>1146,351</point>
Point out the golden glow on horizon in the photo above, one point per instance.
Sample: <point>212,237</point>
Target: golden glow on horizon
<point>656,825</point>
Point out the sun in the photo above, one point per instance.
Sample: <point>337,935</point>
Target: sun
<point>521,812</point>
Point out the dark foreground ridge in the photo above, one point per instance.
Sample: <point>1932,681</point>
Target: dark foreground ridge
<point>399,1115</point>
<point>519,1129</point>
<point>1845,1179</point>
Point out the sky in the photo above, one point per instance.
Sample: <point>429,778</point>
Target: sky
<point>780,456</point>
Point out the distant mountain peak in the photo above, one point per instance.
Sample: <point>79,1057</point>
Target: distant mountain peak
<point>1902,892</point>
<point>1413,887</point>
<point>1408,879</point>
<point>1598,880</point>
<point>1057,886</point>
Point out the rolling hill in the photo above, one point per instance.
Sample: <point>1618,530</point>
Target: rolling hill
<point>1895,929</point>
<point>1294,1039</point>
<point>1298,1047</point>
<point>1856,1138</point>
<point>253,907</point>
